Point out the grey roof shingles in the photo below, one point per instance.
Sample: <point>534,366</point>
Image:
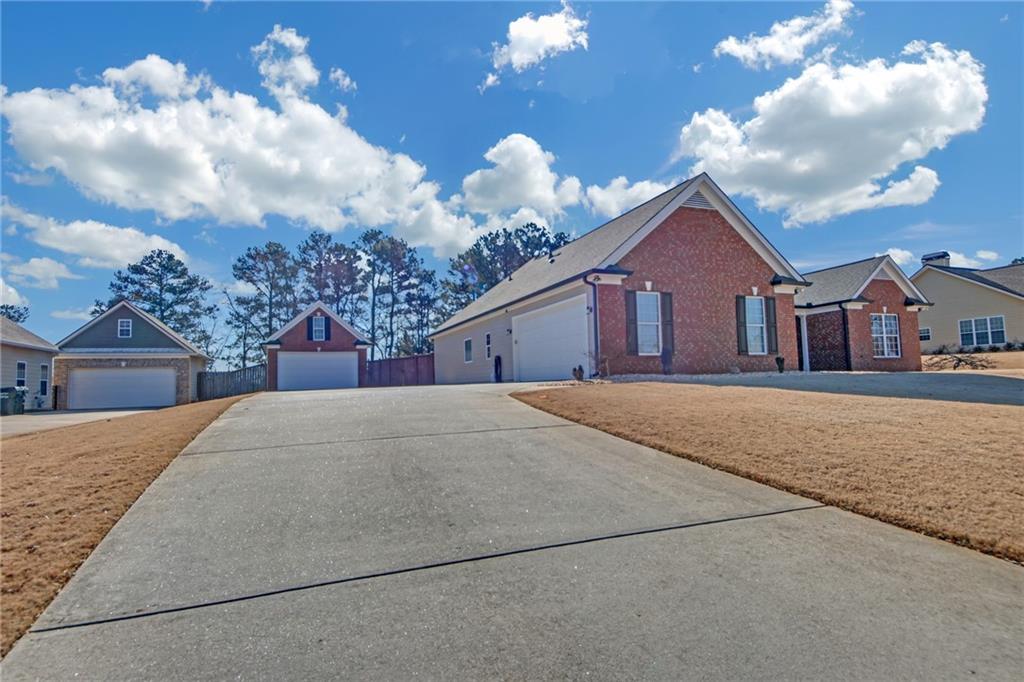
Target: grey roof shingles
<point>837,284</point>
<point>1008,278</point>
<point>13,333</point>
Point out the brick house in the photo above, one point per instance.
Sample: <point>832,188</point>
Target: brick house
<point>126,358</point>
<point>683,283</point>
<point>315,350</point>
<point>860,316</point>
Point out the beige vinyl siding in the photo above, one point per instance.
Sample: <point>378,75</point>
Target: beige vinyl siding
<point>449,364</point>
<point>956,299</point>
<point>9,357</point>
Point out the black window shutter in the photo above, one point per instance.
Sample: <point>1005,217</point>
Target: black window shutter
<point>771,328</point>
<point>667,337</point>
<point>327,329</point>
<point>631,345</point>
<point>309,328</point>
<point>741,325</point>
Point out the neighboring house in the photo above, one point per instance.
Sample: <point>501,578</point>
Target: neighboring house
<point>26,360</point>
<point>682,283</point>
<point>972,307</point>
<point>126,358</point>
<point>860,316</point>
<point>316,349</point>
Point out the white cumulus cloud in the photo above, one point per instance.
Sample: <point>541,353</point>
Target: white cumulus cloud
<point>834,139</point>
<point>901,256</point>
<point>342,80</point>
<point>618,196</point>
<point>72,314</point>
<point>9,295</point>
<point>38,273</point>
<point>787,41</point>
<point>962,260</point>
<point>986,255</point>
<point>532,39</point>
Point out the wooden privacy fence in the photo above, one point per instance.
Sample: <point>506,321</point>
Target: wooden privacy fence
<point>412,370</point>
<point>223,384</point>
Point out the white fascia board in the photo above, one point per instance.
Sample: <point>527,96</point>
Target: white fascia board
<point>896,273</point>
<point>307,312</point>
<point>510,309</point>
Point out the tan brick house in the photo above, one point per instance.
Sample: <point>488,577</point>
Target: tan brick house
<point>126,358</point>
<point>682,283</point>
<point>316,350</point>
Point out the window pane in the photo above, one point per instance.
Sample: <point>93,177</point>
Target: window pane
<point>877,346</point>
<point>755,338</point>
<point>755,310</point>
<point>44,372</point>
<point>995,323</point>
<point>876,325</point>
<point>467,348</point>
<point>980,337</point>
<point>646,307</point>
<point>998,336</point>
<point>647,338</point>
<point>892,346</point>
<point>892,324</point>
<point>966,339</point>
<point>966,327</point>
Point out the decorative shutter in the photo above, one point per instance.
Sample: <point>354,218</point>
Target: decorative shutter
<point>309,328</point>
<point>327,328</point>
<point>668,346</point>
<point>769,325</point>
<point>631,345</point>
<point>741,325</point>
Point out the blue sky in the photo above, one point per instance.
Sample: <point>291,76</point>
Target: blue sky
<point>837,140</point>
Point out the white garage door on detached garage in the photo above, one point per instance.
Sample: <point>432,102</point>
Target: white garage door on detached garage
<point>106,388</point>
<point>303,371</point>
<point>550,341</point>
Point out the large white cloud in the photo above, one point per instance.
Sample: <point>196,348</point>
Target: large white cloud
<point>38,273</point>
<point>787,41</point>
<point>9,295</point>
<point>96,244</point>
<point>152,136</point>
<point>835,139</point>
<point>531,40</point>
<point>618,196</point>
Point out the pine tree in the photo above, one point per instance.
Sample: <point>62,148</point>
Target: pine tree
<point>14,313</point>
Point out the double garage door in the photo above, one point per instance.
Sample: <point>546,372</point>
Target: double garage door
<point>110,388</point>
<point>303,371</point>
<point>552,340</point>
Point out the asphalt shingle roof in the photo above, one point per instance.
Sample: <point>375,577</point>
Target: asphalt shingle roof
<point>13,333</point>
<point>1009,278</point>
<point>833,285</point>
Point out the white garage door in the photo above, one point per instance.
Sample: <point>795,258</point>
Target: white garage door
<point>551,341</point>
<point>91,389</point>
<point>297,371</point>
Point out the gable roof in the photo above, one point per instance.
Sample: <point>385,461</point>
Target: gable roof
<point>600,249</point>
<point>170,333</point>
<point>310,309</point>
<point>844,283</point>
<point>13,334</point>
<point>1008,279</point>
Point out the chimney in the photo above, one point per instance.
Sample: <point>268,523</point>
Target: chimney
<point>937,258</point>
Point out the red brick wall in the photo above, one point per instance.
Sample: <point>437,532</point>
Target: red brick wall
<point>295,340</point>
<point>826,342</point>
<point>884,294</point>
<point>698,257</point>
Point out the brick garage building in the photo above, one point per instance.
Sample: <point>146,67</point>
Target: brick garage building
<point>861,316</point>
<point>316,350</point>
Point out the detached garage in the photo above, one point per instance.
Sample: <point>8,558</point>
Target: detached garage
<point>316,350</point>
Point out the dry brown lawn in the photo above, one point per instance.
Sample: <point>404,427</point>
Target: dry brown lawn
<point>995,361</point>
<point>62,490</point>
<point>951,470</point>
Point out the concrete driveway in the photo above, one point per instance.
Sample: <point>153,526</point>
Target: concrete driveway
<point>30,422</point>
<point>452,532</point>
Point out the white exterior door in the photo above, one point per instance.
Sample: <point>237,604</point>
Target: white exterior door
<point>550,341</point>
<point>114,387</point>
<point>300,371</point>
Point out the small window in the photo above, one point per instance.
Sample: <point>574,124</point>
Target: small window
<point>982,331</point>
<point>648,323</point>
<point>21,372</point>
<point>757,343</point>
<point>319,328</point>
<point>885,335</point>
<point>467,350</point>
<point>487,345</point>
<point>924,334</point>
<point>44,379</point>
<point>124,329</point>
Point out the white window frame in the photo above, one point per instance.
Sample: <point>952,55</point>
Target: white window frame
<point>924,334</point>
<point>322,330</point>
<point>123,327</point>
<point>899,344</point>
<point>487,345</point>
<point>763,324</point>
<point>44,379</point>
<point>974,331</point>
<point>467,350</point>
<point>20,374</point>
<point>657,308</point>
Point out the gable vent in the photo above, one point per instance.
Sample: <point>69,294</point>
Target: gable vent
<point>697,200</point>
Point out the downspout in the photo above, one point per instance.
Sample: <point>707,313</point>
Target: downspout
<point>846,339</point>
<point>597,332</point>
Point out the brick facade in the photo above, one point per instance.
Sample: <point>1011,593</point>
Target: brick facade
<point>295,340</point>
<point>885,296</point>
<point>826,342</point>
<point>62,367</point>
<point>698,257</point>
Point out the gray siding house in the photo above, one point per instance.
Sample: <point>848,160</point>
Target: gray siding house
<point>27,360</point>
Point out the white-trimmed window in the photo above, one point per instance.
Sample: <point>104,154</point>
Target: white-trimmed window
<point>44,379</point>
<point>885,335</point>
<point>124,329</point>
<point>924,334</point>
<point>983,331</point>
<point>487,345</point>
<point>757,342</point>
<point>319,328</point>
<point>21,371</point>
<point>648,323</point>
<point>467,350</point>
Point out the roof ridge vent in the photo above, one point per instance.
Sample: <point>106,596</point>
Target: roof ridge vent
<point>698,200</point>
